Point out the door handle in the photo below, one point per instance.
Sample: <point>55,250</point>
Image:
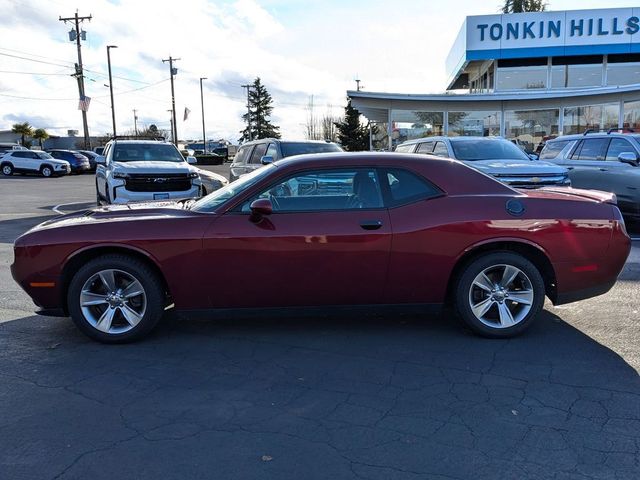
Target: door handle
<point>371,224</point>
<point>603,169</point>
<point>569,168</point>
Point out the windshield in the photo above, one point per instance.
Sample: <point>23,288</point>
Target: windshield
<point>290,148</point>
<point>211,201</point>
<point>486,149</point>
<point>146,152</point>
<point>43,155</point>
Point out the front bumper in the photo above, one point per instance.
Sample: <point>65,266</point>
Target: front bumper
<point>120,195</point>
<point>83,167</point>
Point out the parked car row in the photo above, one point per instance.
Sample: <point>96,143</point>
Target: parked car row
<point>49,163</point>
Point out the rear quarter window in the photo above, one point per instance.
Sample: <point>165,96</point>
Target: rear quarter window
<point>406,187</point>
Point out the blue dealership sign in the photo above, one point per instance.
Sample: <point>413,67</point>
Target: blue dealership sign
<point>541,34</point>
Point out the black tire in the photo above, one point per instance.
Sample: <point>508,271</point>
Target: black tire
<point>7,169</point>
<point>47,171</point>
<point>152,288</point>
<point>466,292</point>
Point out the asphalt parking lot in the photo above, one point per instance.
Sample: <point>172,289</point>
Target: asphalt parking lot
<point>357,396</point>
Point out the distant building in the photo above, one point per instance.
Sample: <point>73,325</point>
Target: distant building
<point>69,142</point>
<point>527,77</point>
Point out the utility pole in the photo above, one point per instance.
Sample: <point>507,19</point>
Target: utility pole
<point>173,72</point>
<point>113,111</point>
<point>204,137</point>
<point>171,122</point>
<point>135,121</point>
<point>76,34</point>
<point>248,87</point>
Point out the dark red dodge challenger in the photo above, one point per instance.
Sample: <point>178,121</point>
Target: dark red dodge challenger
<point>331,229</point>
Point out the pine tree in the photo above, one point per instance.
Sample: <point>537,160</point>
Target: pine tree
<point>260,108</point>
<point>353,136</point>
<point>521,6</point>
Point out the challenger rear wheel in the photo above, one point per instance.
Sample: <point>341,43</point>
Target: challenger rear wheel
<point>499,294</point>
<point>115,299</point>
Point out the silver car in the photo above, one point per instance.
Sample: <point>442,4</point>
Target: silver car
<point>608,161</point>
<point>494,156</point>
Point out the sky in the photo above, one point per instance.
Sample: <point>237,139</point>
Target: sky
<point>302,51</point>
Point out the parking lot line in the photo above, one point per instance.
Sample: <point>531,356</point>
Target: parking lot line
<point>57,207</point>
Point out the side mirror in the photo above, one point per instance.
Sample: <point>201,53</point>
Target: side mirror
<point>100,160</point>
<point>266,160</point>
<point>191,160</point>
<point>629,157</point>
<point>260,208</point>
<point>533,156</point>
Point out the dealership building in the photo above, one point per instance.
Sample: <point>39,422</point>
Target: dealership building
<point>524,76</point>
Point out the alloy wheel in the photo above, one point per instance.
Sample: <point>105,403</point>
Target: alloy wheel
<point>113,301</point>
<point>46,172</point>
<point>501,296</point>
<point>7,170</point>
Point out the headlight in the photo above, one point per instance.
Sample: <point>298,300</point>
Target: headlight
<point>194,175</point>
<point>119,175</point>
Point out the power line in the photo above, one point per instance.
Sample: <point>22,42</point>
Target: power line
<point>34,60</point>
<point>33,73</point>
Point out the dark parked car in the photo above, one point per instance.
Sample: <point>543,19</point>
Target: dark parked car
<point>92,156</point>
<point>253,155</point>
<point>322,230</point>
<point>78,162</point>
<point>608,161</point>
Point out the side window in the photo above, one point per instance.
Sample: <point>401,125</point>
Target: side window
<point>242,155</point>
<point>31,154</point>
<point>404,148</point>
<point>19,154</point>
<point>407,187</point>
<point>591,150</point>
<point>272,151</point>
<point>440,150</point>
<point>324,190</point>
<point>618,146</point>
<point>258,153</point>
<point>426,147</point>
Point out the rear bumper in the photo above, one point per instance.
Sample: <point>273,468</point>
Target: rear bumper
<point>575,296</point>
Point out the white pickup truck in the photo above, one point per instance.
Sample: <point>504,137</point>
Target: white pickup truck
<point>141,170</point>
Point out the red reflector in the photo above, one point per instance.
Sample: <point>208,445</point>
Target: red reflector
<point>585,268</point>
<point>42,284</point>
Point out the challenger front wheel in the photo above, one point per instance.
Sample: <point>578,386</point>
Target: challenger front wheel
<point>115,299</point>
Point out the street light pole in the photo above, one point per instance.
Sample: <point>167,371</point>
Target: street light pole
<point>173,71</point>
<point>113,111</point>
<point>204,138</point>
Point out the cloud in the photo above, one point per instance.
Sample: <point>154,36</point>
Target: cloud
<point>298,49</point>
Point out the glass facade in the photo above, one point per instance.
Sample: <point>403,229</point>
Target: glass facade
<point>597,117</point>
<point>477,123</point>
<point>408,125</point>
<point>531,128</point>
<point>631,115</point>
<point>525,78</point>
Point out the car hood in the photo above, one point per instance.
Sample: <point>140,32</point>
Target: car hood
<point>212,175</point>
<point>516,167</point>
<point>152,167</point>
<point>117,213</point>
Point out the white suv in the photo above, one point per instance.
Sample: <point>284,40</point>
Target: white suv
<point>140,170</point>
<point>30,161</point>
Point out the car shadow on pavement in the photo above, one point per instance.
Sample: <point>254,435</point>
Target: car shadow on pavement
<point>360,396</point>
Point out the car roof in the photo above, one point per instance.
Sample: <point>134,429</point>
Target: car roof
<point>279,140</point>
<point>579,136</point>
<point>452,176</point>
<point>457,139</point>
<point>155,142</point>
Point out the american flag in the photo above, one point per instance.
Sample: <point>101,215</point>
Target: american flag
<point>83,104</point>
